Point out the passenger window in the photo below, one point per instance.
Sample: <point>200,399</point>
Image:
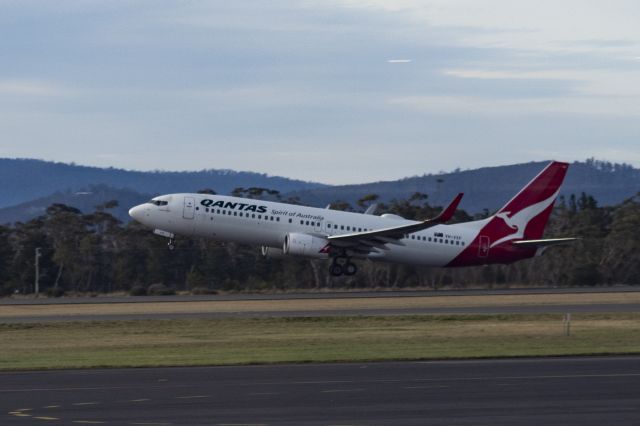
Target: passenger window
<point>259,216</point>
<point>278,219</point>
<point>290,220</point>
<point>342,227</point>
<point>271,218</point>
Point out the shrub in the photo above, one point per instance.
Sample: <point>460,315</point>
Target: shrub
<point>55,292</point>
<point>138,290</point>
<point>6,291</point>
<point>160,290</point>
<point>203,290</point>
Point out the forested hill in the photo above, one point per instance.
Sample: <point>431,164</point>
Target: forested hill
<point>23,180</point>
<point>28,187</point>
<point>87,200</point>
<point>489,187</point>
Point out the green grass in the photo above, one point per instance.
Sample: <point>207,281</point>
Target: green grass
<point>144,343</point>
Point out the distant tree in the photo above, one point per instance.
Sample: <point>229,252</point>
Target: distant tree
<point>255,192</point>
<point>341,205</point>
<point>111,204</point>
<point>367,200</point>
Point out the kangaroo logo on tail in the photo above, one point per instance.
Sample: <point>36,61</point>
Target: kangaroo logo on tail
<point>520,220</point>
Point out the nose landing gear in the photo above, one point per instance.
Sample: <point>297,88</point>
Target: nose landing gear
<point>172,241</point>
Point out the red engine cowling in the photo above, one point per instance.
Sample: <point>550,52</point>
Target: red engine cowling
<point>306,245</point>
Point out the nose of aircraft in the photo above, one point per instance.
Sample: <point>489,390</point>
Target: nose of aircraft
<point>137,212</point>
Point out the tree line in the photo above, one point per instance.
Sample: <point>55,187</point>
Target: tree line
<point>97,253</point>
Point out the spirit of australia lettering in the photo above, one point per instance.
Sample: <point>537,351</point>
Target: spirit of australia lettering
<point>234,206</point>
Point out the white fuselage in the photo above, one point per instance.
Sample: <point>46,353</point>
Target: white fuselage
<point>265,223</point>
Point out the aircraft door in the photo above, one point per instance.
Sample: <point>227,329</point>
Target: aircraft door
<point>189,208</point>
<point>483,246</point>
<point>328,228</point>
<point>317,226</point>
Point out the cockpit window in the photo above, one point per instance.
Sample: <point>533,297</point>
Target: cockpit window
<point>158,202</point>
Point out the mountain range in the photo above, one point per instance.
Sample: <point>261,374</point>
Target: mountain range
<point>30,186</point>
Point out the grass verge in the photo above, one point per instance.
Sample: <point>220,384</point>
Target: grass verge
<point>186,342</point>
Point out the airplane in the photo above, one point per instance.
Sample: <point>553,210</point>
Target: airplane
<point>513,233</point>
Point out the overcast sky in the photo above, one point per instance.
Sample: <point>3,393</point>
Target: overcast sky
<point>336,91</point>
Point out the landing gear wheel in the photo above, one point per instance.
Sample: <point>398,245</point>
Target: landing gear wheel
<point>335,270</point>
<point>171,244</point>
<point>341,260</point>
<point>350,269</point>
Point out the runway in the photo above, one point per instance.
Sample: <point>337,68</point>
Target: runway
<point>317,295</point>
<point>552,391</point>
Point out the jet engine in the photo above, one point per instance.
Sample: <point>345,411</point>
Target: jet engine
<point>297,244</point>
<point>271,252</point>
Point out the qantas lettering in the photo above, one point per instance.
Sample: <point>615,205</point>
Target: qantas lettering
<point>234,206</point>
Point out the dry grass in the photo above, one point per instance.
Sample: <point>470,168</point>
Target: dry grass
<point>310,305</point>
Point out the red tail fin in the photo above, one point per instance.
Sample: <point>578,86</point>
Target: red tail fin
<point>529,210</point>
<point>523,217</point>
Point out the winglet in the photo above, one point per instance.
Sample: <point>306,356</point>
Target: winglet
<point>447,213</point>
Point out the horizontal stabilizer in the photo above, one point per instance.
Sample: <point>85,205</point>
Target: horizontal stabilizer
<point>543,243</point>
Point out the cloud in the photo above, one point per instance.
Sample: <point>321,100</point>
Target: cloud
<point>30,88</point>
<point>325,84</point>
<point>588,106</point>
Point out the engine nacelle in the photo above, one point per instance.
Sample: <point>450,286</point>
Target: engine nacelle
<point>271,252</point>
<point>297,244</point>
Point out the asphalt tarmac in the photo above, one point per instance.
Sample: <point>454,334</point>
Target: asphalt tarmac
<point>314,295</point>
<point>547,391</point>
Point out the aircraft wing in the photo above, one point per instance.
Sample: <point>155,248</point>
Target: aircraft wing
<point>378,238</point>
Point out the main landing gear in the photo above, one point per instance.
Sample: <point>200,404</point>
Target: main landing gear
<point>342,265</point>
<point>171,244</point>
